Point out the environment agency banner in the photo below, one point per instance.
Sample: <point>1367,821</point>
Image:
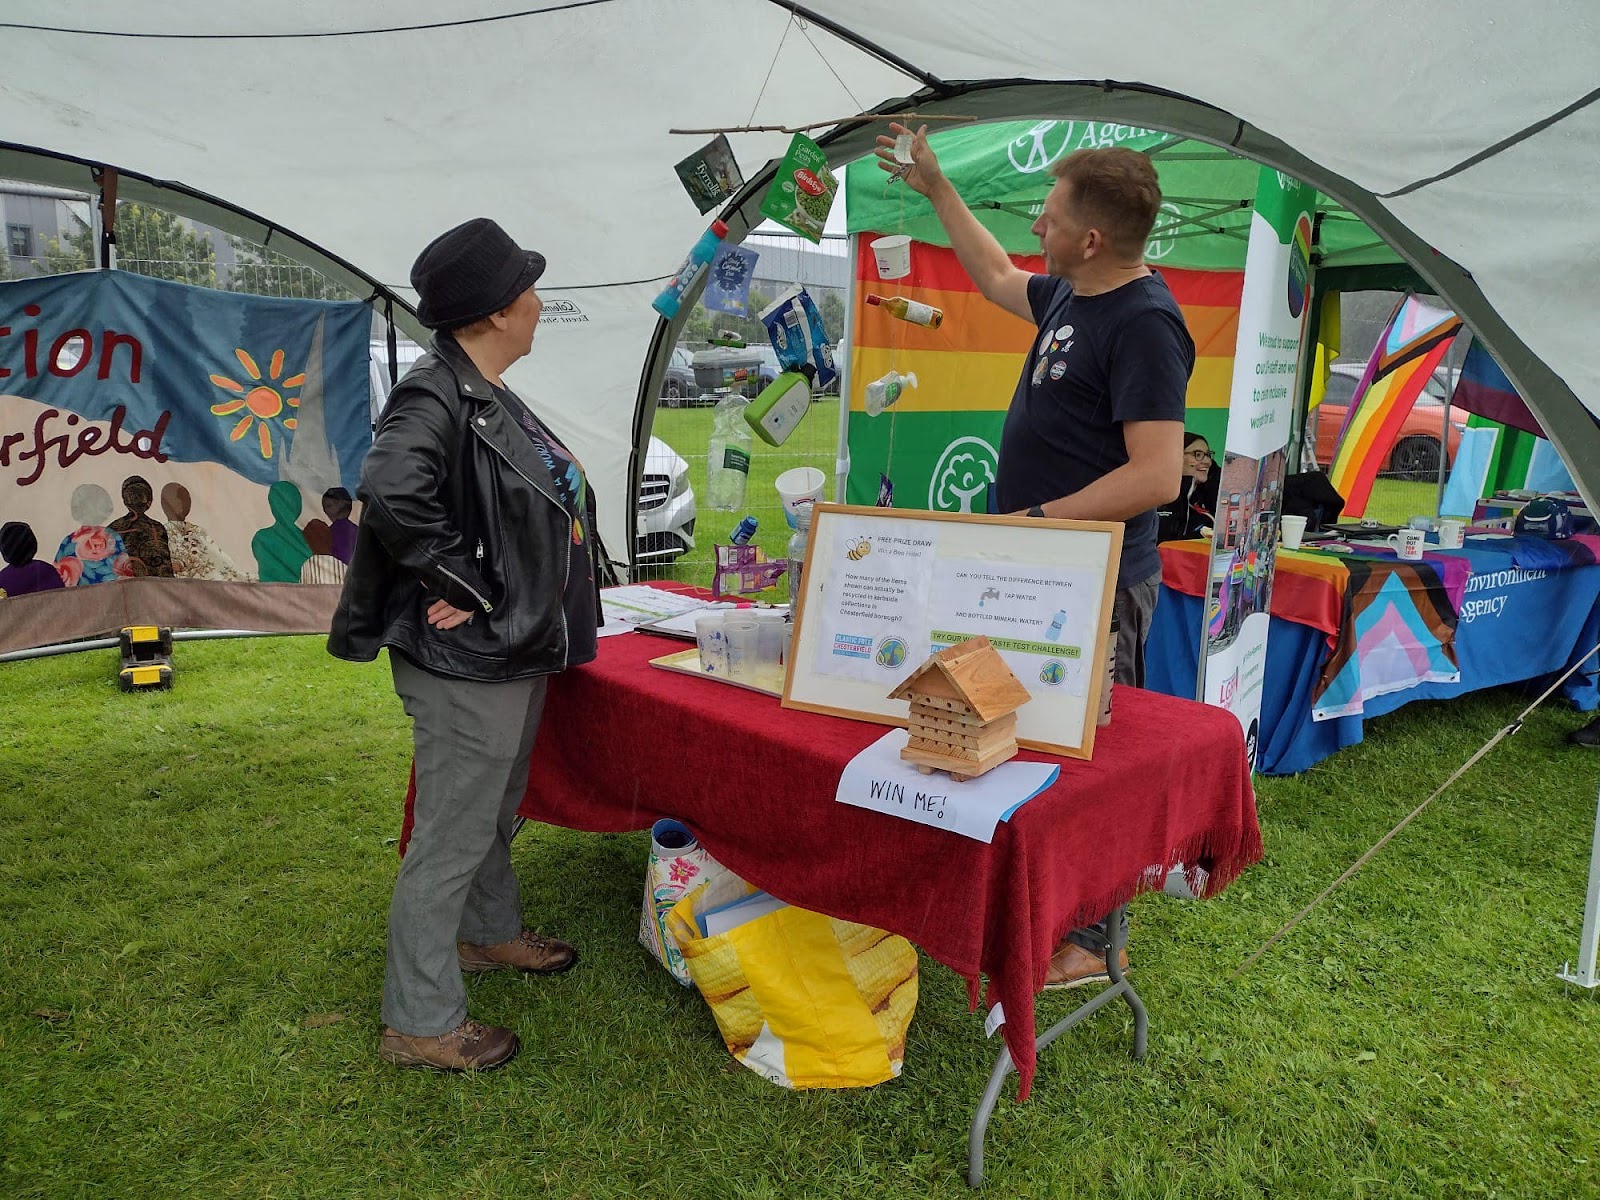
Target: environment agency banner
<point>1272,317</point>
<point>197,443</point>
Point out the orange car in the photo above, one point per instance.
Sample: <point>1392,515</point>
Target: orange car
<point>1415,451</point>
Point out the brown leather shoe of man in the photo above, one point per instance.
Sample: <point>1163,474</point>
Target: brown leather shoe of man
<point>470,1046</point>
<point>1072,966</point>
<point>529,952</point>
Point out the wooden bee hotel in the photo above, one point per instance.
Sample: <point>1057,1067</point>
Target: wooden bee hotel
<point>964,703</point>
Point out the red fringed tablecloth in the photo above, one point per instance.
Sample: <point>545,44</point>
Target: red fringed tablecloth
<point>624,743</point>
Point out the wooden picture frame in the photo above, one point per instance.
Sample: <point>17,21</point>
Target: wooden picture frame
<point>883,588</point>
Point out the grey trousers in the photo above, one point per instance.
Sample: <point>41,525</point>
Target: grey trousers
<point>471,743</point>
<point>1134,608</point>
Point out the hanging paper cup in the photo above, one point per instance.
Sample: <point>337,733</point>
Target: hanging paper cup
<point>799,486</point>
<point>893,255</point>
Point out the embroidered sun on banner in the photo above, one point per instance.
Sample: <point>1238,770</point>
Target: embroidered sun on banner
<point>262,403</point>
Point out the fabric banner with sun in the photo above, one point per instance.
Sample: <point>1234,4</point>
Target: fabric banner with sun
<point>193,442</point>
<point>938,444</point>
<point>1414,342</point>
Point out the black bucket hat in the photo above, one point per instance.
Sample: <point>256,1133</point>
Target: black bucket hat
<point>470,271</point>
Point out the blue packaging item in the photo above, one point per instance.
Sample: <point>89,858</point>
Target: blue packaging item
<point>795,327</point>
<point>690,273</point>
<point>743,531</point>
<point>728,284</point>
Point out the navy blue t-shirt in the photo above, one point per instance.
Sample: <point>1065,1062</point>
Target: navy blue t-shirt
<point>1122,355</point>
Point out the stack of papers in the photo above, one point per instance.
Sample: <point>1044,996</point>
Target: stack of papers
<point>635,604</point>
<point>723,917</point>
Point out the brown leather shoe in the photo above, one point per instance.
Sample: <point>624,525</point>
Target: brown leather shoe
<point>470,1046</point>
<point>530,952</point>
<point>1072,966</point>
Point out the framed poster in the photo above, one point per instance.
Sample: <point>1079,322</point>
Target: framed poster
<point>884,588</point>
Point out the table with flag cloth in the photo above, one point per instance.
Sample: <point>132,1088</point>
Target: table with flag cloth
<point>1357,635</point>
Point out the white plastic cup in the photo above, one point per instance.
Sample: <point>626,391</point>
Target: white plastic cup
<point>770,625</point>
<point>742,634</point>
<point>1408,544</point>
<point>710,634</point>
<point>797,486</point>
<point>1452,534</point>
<point>1294,528</point>
<point>893,255</point>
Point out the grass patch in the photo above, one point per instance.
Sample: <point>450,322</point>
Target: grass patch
<point>193,888</point>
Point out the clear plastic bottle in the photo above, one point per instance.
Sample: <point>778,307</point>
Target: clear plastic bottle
<point>797,553</point>
<point>884,391</point>
<point>728,455</point>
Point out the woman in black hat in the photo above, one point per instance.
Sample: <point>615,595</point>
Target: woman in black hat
<point>24,574</point>
<point>475,566</point>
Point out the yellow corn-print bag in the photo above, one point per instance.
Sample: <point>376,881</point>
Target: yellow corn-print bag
<point>804,1000</point>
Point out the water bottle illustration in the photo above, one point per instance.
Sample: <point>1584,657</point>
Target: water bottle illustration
<point>1053,634</point>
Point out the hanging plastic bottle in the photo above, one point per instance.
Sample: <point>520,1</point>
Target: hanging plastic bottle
<point>691,272</point>
<point>743,531</point>
<point>797,553</point>
<point>728,455</point>
<point>884,391</point>
<point>909,310</point>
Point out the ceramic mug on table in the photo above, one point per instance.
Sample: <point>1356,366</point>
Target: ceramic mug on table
<point>1452,535</point>
<point>1408,544</point>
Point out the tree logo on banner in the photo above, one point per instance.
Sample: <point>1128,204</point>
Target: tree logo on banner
<point>1030,153</point>
<point>261,403</point>
<point>1162,238</point>
<point>963,472</point>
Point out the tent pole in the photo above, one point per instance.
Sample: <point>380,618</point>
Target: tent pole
<point>1589,939</point>
<point>841,460</point>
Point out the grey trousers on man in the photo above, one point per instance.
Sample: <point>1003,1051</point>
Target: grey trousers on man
<point>471,743</point>
<point>1133,607</point>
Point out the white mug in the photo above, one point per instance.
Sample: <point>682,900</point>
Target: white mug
<point>1408,543</point>
<point>1452,535</point>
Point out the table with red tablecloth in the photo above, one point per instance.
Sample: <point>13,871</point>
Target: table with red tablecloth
<point>623,744</point>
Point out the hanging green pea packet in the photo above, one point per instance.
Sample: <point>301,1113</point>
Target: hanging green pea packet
<point>803,190</point>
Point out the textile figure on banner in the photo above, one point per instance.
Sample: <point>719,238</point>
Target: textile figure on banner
<point>281,549</point>
<point>145,538</point>
<point>92,553</point>
<point>23,574</point>
<point>195,555</point>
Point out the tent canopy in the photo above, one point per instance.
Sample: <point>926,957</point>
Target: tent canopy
<point>350,134</point>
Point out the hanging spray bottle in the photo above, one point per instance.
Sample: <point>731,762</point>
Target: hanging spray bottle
<point>883,392</point>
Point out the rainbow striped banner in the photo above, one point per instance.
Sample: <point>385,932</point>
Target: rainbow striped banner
<point>943,435</point>
<point>1416,340</point>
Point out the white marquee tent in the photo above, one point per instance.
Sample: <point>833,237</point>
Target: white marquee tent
<point>349,134</point>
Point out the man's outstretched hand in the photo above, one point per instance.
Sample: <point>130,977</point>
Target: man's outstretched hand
<point>924,174</point>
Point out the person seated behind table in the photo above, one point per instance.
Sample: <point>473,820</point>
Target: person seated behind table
<point>23,573</point>
<point>1191,513</point>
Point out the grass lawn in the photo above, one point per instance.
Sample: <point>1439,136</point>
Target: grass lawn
<point>193,888</point>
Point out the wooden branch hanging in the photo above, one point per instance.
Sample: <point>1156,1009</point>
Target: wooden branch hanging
<point>906,118</point>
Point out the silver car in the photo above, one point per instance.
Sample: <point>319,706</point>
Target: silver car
<point>666,506</point>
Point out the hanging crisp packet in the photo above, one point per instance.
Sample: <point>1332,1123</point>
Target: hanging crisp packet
<point>728,283</point>
<point>803,190</point>
<point>710,175</point>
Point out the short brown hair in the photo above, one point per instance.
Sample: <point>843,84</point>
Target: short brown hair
<point>1116,191</point>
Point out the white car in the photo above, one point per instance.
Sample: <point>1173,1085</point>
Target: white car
<point>666,506</point>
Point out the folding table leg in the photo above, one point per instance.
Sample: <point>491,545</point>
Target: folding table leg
<point>1003,1066</point>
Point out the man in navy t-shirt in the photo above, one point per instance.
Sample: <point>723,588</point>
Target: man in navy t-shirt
<point>1095,428</point>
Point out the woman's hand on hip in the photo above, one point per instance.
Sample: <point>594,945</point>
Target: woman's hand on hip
<point>446,616</point>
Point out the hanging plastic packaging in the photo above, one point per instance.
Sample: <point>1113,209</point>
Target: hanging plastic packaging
<point>781,406</point>
<point>795,326</point>
<point>728,285</point>
<point>884,391</point>
<point>728,455</point>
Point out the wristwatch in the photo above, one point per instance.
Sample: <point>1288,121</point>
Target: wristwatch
<point>1036,511</point>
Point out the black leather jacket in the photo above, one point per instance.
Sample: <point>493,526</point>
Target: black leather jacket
<point>459,506</point>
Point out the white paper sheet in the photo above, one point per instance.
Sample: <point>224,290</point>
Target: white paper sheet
<point>634,604</point>
<point>879,779</point>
